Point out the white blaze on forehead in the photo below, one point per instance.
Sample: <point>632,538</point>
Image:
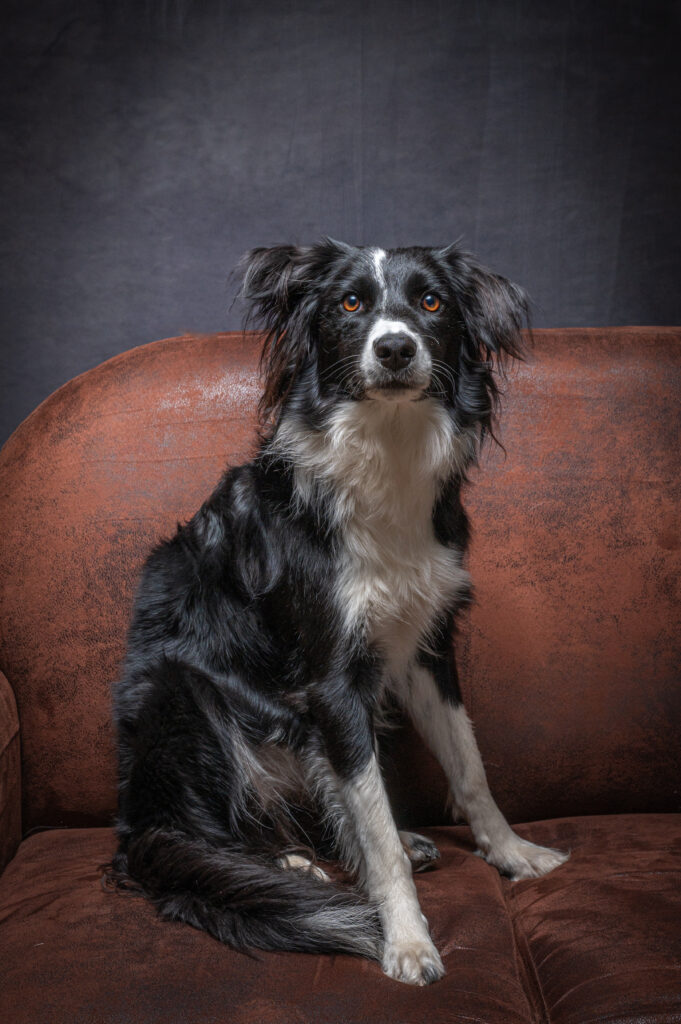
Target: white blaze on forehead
<point>384,326</point>
<point>379,256</point>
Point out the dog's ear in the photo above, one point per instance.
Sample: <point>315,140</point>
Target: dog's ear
<point>493,309</point>
<point>276,279</point>
<point>493,312</point>
<point>268,285</point>
<point>281,288</point>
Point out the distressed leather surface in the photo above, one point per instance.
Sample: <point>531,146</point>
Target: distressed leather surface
<point>569,663</point>
<point>10,774</point>
<point>569,660</point>
<point>596,941</point>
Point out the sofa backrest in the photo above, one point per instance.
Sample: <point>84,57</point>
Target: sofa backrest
<point>570,659</point>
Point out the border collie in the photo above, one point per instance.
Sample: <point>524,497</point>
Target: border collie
<point>316,586</point>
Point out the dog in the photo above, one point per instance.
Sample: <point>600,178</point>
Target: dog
<point>317,585</point>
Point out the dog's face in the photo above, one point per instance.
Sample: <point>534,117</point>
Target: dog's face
<point>387,325</point>
<point>395,325</point>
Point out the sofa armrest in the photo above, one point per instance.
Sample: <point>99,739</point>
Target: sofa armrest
<point>10,774</point>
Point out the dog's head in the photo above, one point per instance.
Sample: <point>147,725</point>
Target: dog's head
<point>392,325</point>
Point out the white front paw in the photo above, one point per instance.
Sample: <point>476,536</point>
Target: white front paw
<point>518,858</point>
<point>415,962</point>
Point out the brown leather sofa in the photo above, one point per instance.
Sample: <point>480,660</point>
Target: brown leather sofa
<point>571,667</point>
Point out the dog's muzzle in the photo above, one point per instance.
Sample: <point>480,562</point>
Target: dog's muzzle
<point>395,351</point>
<point>397,362</point>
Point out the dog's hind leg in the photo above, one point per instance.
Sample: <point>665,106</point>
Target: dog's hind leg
<point>298,862</point>
<point>421,852</point>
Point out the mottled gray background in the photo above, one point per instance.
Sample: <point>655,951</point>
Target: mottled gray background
<point>146,145</point>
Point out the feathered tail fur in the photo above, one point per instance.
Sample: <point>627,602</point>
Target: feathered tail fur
<point>244,900</point>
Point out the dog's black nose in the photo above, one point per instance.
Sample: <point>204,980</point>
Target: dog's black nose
<point>395,351</point>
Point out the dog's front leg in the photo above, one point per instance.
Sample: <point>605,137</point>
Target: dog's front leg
<point>408,951</point>
<point>409,954</point>
<point>430,694</point>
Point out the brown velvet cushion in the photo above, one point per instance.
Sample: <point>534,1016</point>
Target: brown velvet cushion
<point>570,661</point>
<point>602,935</point>
<point>598,940</point>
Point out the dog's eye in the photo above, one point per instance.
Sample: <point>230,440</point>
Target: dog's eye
<point>431,302</point>
<point>351,302</point>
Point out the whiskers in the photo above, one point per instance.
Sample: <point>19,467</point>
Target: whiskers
<point>325,374</point>
<point>444,378</point>
<point>349,374</point>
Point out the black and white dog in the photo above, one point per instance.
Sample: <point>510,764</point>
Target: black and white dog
<point>318,583</point>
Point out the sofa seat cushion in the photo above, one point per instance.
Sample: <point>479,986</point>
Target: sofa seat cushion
<point>600,939</point>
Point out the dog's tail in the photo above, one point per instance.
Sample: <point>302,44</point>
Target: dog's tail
<point>245,901</point>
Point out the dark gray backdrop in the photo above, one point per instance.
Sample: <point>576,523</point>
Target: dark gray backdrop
<point>146,145</point>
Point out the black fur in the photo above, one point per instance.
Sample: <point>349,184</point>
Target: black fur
<point>236,656</point>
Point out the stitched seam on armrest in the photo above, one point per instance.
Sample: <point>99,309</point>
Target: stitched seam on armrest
<point>10,739</point>
<point>15,727</point>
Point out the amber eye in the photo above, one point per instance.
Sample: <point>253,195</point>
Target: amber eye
<point>431,302</point>
<point>351,303</point>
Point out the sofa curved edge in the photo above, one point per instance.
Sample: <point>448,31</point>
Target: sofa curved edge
<point>110,365</point>
<point>10,774</point>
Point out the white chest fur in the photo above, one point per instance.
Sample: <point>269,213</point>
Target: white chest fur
<point>384,463</point>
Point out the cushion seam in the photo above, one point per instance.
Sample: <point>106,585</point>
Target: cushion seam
<point>525,965</point>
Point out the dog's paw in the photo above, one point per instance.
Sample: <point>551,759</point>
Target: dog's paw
<point>296,862</point>
<point>415,962</point>
<point>421,851</point>
<point>518,858</point>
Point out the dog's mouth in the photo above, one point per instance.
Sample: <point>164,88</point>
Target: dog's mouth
<point>395,395</point>
<point>395,391</point>
<point>397,387</point>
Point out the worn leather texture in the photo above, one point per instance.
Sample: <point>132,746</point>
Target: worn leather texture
<point>569,659</point>
<point>10,774</point>
<point>597,940</point>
